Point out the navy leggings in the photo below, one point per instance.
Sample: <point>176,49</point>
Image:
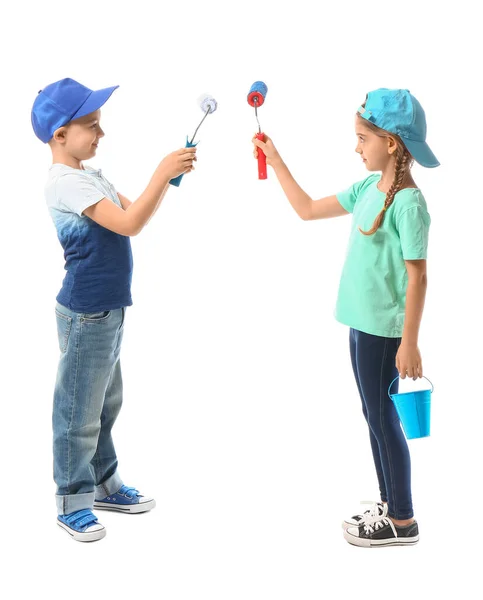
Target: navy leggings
<point>374,364</point>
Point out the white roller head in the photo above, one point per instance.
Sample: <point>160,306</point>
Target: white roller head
<point>207,102</point>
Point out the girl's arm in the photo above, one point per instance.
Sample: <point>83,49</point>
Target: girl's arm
<point>408,359</point>
<point>306,208</point>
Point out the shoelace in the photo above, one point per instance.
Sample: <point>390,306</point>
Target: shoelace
<point>81,518</point>
<point>370,526</point>
<point>375,511</point>
<point>373,520</point>
<point>129,492</point>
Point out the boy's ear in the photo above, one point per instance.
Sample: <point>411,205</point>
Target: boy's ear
<point>60,134</point>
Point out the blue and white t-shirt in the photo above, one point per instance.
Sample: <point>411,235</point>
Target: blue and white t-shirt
<point>98,261</point>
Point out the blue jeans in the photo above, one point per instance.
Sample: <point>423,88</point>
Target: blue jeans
<point>87,400</point>
<point>374,364</point>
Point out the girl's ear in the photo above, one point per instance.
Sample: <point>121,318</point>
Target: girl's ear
<point>391,145</point>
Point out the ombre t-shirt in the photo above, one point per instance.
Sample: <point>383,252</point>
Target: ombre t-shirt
<point>98,261</point>
<point>372,291</point>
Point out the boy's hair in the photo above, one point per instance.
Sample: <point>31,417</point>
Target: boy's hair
<point>404,162</point>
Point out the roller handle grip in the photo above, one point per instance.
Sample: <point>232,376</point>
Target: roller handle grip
<point>262,159</point>
<point>177,180</point>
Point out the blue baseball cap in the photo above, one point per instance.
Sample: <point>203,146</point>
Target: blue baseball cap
<point>398,111</point>
<point>62,102</point>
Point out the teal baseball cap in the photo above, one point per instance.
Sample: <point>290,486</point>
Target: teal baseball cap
<point>398,111</point>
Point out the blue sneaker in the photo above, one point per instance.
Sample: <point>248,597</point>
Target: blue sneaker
<point>82,525</point>
<point>126,500</point>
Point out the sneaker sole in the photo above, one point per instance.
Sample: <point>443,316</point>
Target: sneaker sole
<point>92,536</point>
<point>126,508</point>
<point>365,543</point>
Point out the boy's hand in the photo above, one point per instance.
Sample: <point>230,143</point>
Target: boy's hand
<point>273,157</point>
<point>408,361</point>
<point>179,162</point>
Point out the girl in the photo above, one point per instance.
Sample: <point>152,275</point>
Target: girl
<point>382,289</point>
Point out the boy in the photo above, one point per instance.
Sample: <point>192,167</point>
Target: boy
<point>93,224</point>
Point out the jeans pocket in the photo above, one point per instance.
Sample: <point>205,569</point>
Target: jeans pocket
<point>98,317</point>
<point>64,325</point>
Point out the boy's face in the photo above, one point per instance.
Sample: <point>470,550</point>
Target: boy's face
<point>81,136</point>
<point>375,151</point>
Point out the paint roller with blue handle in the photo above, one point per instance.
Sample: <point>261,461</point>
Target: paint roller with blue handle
<point>208,105</point>
<point>256,97</point>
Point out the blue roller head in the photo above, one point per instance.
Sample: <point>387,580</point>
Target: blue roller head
<point>258,91</point>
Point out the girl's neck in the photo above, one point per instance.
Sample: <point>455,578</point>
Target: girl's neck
<point>387,178</point>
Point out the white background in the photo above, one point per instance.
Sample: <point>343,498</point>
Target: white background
<point>241,415</point>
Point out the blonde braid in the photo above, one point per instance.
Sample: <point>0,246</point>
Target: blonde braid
<point>401,168</point>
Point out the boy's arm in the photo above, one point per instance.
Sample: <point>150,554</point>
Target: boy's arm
<point>125,203</point>
<point>130,221</point>
<point>163,194</point>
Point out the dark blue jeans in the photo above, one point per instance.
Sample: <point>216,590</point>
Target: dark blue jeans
<point>374,364</point>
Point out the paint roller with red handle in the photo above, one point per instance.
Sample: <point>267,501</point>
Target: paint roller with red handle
<point>256,97</point>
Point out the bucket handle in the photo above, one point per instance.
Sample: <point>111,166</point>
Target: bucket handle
<point>389,389</point>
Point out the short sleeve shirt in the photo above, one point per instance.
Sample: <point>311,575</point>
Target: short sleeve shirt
<point>373,284</point>
<point>98,262</point>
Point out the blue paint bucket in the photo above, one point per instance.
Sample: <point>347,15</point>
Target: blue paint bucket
<point>414,410</point>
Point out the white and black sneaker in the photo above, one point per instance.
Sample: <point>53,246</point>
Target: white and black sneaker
<point>377,532</point>
<point>378,509</point>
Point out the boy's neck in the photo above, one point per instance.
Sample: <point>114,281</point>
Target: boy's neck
<point>66,159</point>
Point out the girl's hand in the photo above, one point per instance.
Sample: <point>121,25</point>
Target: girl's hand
<point>408,361</point>
<point>273,157</point>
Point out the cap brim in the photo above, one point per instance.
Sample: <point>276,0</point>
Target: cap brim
<point>421,153</point>
<point>97,99</point>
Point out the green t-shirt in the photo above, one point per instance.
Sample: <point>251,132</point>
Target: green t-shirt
<point>372,292</point>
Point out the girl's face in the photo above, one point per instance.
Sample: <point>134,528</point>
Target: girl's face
<point>375,151</point>
<point>82,136</point>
